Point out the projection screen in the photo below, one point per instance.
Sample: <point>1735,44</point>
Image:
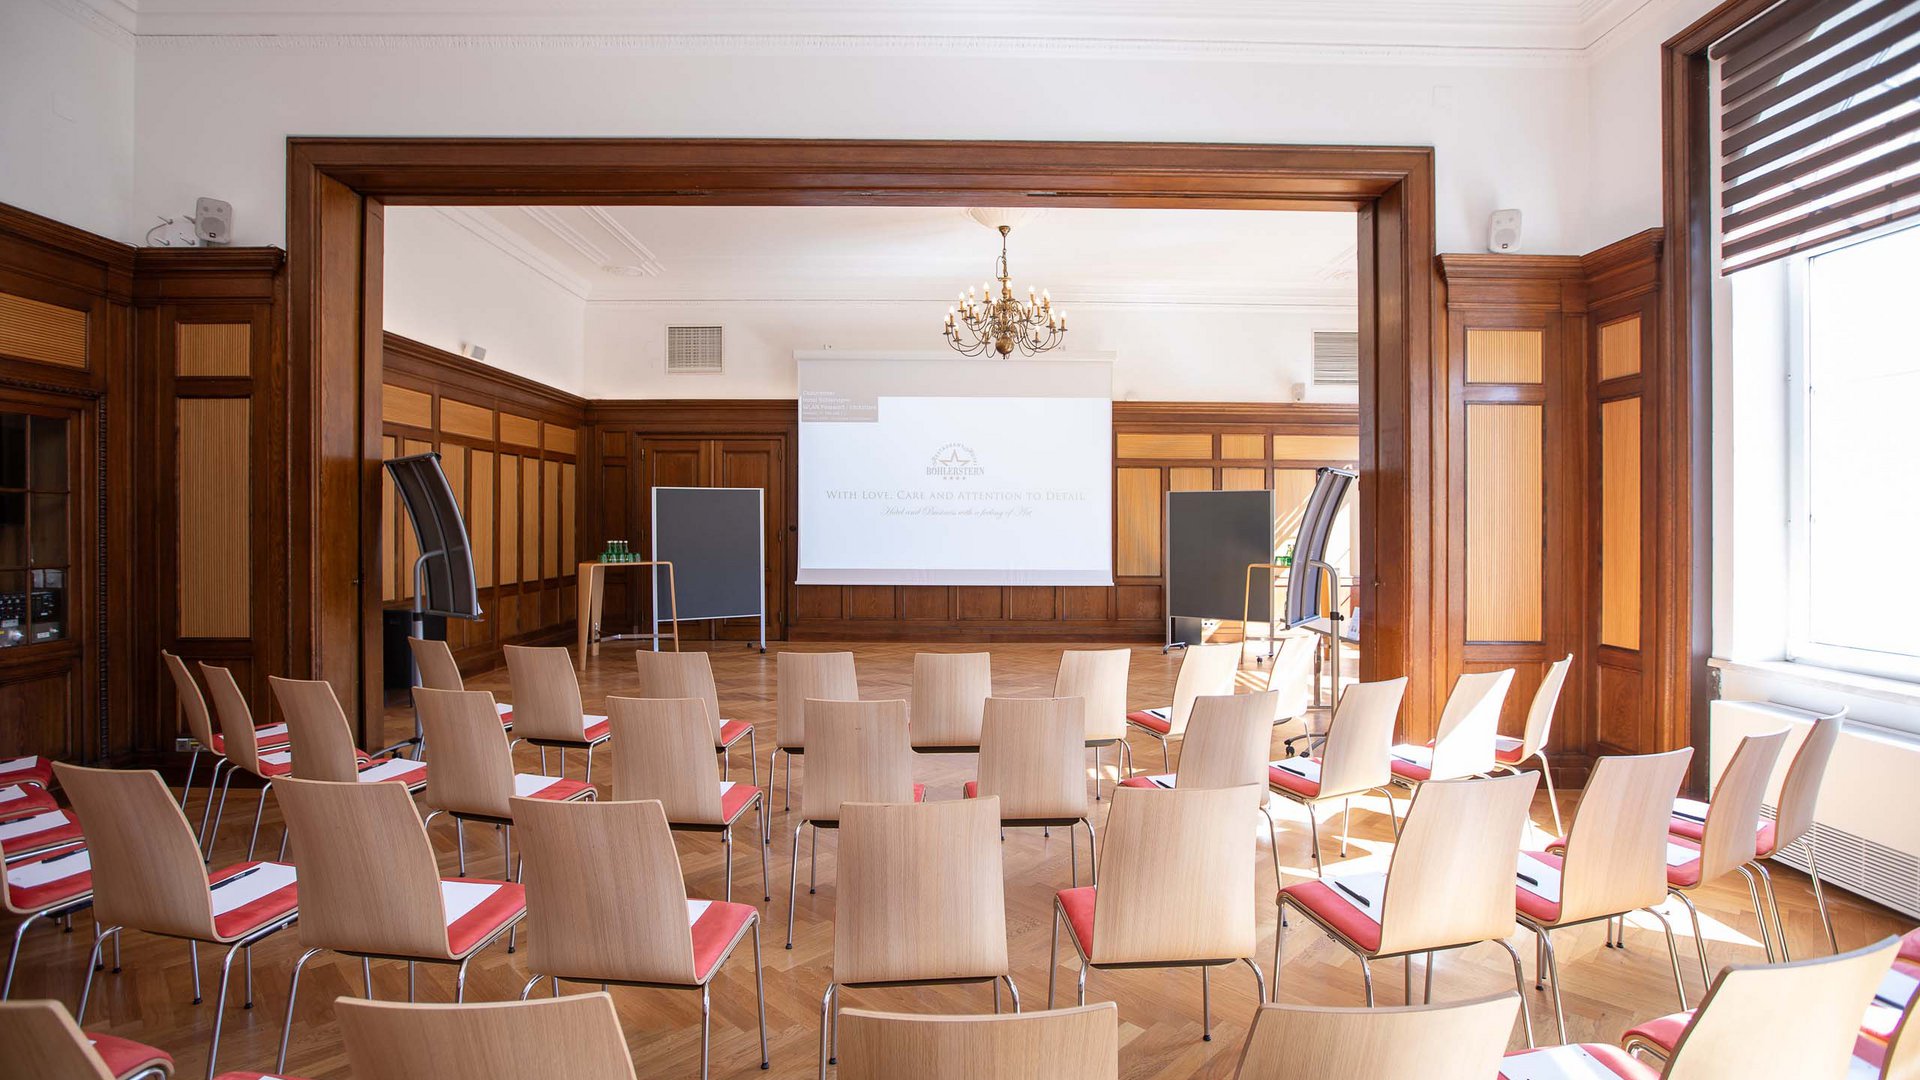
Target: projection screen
<point>955,472</point>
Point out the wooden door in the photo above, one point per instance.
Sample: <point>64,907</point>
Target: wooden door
<point>662,462</point>
<point>759,463</point>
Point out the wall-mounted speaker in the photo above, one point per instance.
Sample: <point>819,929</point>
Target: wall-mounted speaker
<point>1503,232</point>
<point>213,220</point>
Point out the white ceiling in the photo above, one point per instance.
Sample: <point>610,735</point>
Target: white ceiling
<point>1018,26</point>
<point>685,253</point>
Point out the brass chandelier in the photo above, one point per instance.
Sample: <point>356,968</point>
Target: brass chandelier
<point>1002,323</point>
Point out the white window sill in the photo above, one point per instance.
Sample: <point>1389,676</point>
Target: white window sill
<point>1879,688</point>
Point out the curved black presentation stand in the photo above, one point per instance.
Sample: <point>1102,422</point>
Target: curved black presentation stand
<point>443,582</point>
<point>1310,568</point>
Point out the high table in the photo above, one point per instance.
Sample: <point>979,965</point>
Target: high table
<point>592,593</point>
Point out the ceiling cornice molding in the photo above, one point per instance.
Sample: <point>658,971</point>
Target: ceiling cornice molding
<point>643,257</point>
<point>1143,299</point>
<point>482,225</point>
<point>110,19</point>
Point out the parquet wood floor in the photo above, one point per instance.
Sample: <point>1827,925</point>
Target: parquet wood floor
<point>1606,990</point>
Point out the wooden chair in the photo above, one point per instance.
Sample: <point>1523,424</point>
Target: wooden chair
<point>1290,676</point>
<point>798,678</point>
<point>1613,863</point>
<point>1033,759</point>
<point>1205,671</point>
<point>1793,819</point>
<point>1226,745</point>
<point>1463,742</point>
<point>371,887</point>
<point>1065,1044</point>
<point>1462,1041</point>
<point>193,705</point>
<point>547,711</point>
<point>438,671</point>
<point>861,753</point>
<point>1175,894</point>
<point>473,778</point>
<point>1510,753</point>
<point>1355,760</point>
<point>51,885</point>
<point>666,755</point>
<point>44,1043</point>
<point>667,675</point>
<point>323,742</point>
<point>1099,676</point>
<point>1888,1047</point>
<point>950,692</point>
<point>923,901</point>
<point>578,1038</point>
<point>1794,1021</point>
<point>610,907</point>
<point>148,875</point>
<point>1450,884</point>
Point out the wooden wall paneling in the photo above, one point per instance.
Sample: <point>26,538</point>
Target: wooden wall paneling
<point>1172,446</point>
<point>530,576</point>
<point>510,520</point>
<point>1619,348</point>
<point>389,526</point>
<point>1620,523</point>
<point>519,430</point>
<point>1136,511</point>
<point>214,349</point>
<point>470,421</point>
<point>1243,446</point>
<point>550,520</point>
<point>1505,533</point>
<point>215,569</point>
<point>1505,356</point>
<point>1331,449</point>
<point>1243,479</point>
<point>41,332</point>
<point>1188,478</point>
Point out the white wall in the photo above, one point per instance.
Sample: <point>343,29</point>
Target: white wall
<point>447,287</point>
<point>66,118</point>
<point>1164,353</point>
<point>1623,120</point>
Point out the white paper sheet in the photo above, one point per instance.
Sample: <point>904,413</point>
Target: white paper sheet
<point>59,868</point>
<point>1507,743</point>
<point>1306,768</point>
<point>695,909</point>
<point>503,708</point>
<point>1160,780</point>
<point>1889,1003</point>
<point>1547,876</point>
<point>525,784</point>
<point>27,826</point>
<point>12,792</point>
<point>18,764</point>
<point>1554,1063</point>
<point>460,897</point>
<point>268,877</point>
<point>1681,854</point>
<point>1373,886</point>
<point>725,786</point>
<point>271,731</point>
<point>1858,1069</point>
<point>1164,712</point>
<point>387,770</point>
<point>278,757</point>
<point>1416,755</point>
<point>1691,808</point>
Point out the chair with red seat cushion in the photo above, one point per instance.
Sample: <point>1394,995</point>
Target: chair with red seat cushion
<point>433,659</point>
<point>43,1042</point>
<point>37,829</point>
<point>206,736</point>
<point>371,886</point>
<point>1614,862</point>
<point>1448,886</point>
<point>608,904</point>
<point>1226,745</point>
<point>690,675</point>
<point>1510,753</point>
<point>472,777</point>
<point>1205,671</point>
<point>666,754</point>
<point>32,769</point>
<point>800,677</point>
<point>1456,1041</point>
<point>1354,760</point>
<point>323,741</point>
<point>51,885</point>
<point>1033,759</point>
<point>1464,739</point>
<point>148,875</point>
<point>1174,893</point>
<point>1100,677</point>
<point>547,710</point>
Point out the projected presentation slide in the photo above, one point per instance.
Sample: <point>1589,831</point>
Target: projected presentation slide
<point>956,472</point>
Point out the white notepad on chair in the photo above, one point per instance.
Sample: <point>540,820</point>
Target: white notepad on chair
<point>46,871</point>
<point>18,764</point>
<point>1546,879</point>
<point>1305,768</point>
<point>1414,755</point>
<point>1164,713</point>
<point>695,909</point>
<point>387,770</point>
<point>1364,893</point>
<point>1681,854</point>
<point>249,885</point>
<point>1554,1063</point>
<point>460,897</point>
<point>27,826</point>
<point>525,784</point>
<point>12,792</point>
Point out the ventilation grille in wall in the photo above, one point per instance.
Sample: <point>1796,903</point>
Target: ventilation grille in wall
<point>1855,863</point>
<point>693,350</point>
<point>1336,358</point>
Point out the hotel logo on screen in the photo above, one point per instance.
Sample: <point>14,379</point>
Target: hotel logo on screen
<point>955,461</point>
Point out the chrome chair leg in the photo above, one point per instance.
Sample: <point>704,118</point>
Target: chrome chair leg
<point>1820,900</point>
<point>760,991</point>
<point>293,995</point>
<point>1673,954</point>
<point>1699,939</point>
<point>1206,1004</point>
<point>1519,984</point>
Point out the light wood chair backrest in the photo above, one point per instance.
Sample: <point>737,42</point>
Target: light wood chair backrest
<point>1454,1041</point>
<point>43,1042</point>
<point>1205,671</point>
<point>230,711</point>
<point>1546,699</point>
<point>1800,793</point>
<point>666,754</point>
<point>1033,757</point>
<point>950,692</point>
<point>472,769</point>
<point>1451,879</point>
<point>1099,676</point>
<point>1290,673</point>
<point>1358,753</point>
<point>922,894</point>
<point>577,1036</point>
<point>1463,743</point>
<point>1065,1044</point>
<point>802,677</point>
<point>1727,839</point>
<point>438,671</point>
<point>605,899</point>
<point>193,704</point>
<point>368,879</point>
<point>321,742</point>
<point>1794,1021</point>
<point>1617,852</point>
<point>147,868</point>
<point>857,751</point>
<point>680,675</point>
<point>1227,741</point>
<point>546,693</point>
<point>1175,873</point>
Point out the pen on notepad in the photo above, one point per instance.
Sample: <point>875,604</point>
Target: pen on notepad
<point>67,855</point>
<point>224,882</point>
<point>1343,888</point>
<point>1523,877</point>
<point>1690,817</point>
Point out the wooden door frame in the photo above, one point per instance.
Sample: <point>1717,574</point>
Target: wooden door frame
<point>337,188</point>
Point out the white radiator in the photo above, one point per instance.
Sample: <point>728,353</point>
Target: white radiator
<point>1866,832</point>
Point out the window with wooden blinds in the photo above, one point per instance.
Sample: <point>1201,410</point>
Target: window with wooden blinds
<point>1819,125</point>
